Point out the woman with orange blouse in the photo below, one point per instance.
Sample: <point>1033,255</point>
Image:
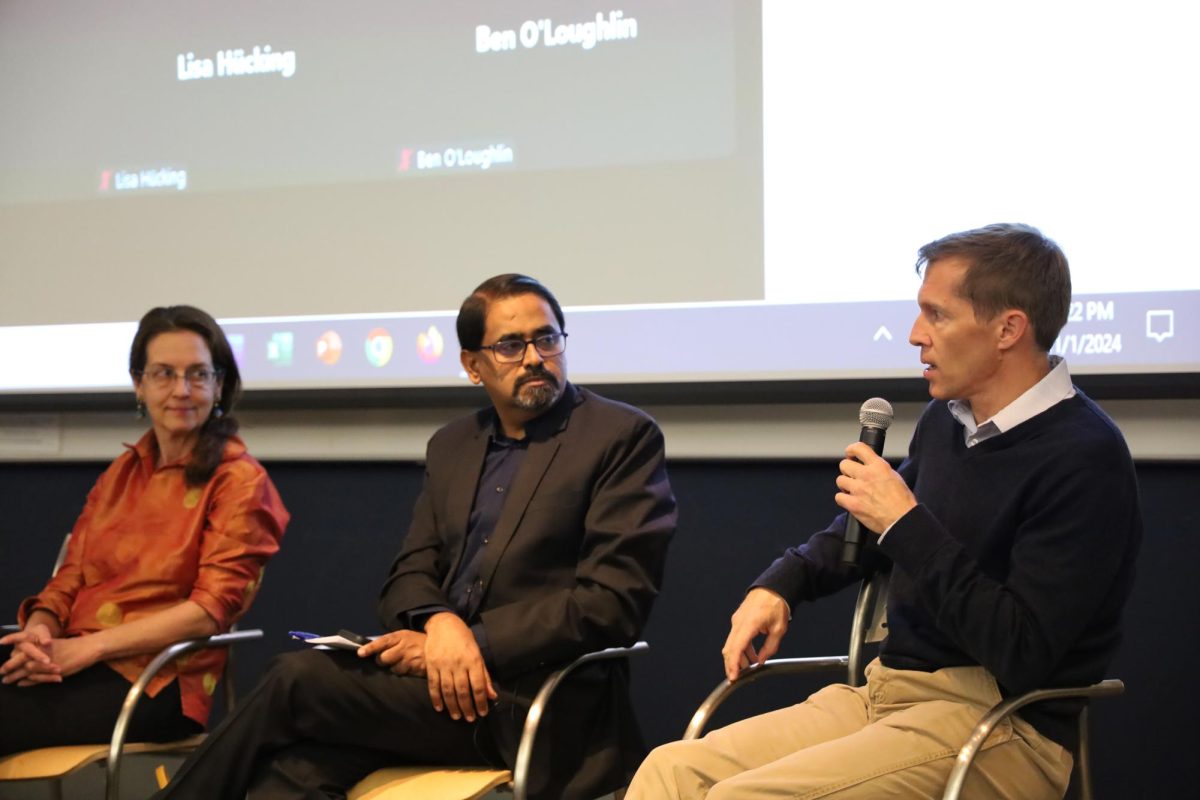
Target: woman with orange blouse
<point>171,545</point>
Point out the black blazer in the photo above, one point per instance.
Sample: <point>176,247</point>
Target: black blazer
<point>573,566</point>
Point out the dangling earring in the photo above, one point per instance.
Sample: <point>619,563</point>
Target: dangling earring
<point>140,411</point>
<point>217,413</point>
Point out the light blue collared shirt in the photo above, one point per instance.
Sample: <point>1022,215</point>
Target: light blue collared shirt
<point>1050,390</point>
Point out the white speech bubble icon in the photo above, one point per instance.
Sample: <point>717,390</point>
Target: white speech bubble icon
<point>1160,324</point>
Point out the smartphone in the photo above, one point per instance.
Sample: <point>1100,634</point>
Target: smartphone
<point>351,636</point>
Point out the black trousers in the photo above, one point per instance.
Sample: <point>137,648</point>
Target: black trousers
<point>83,709</point>
<point>317,723</point>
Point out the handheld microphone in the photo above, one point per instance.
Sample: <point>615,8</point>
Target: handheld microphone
<point>875,416</point>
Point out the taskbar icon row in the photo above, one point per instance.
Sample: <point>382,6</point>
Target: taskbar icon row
<point>271,351</point>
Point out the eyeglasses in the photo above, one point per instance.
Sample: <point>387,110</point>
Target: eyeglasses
<point>510,351</point>
<point>163,377</point>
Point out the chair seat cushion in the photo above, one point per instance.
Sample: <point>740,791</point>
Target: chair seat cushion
<point>48,762</point>
<point>429,783</point>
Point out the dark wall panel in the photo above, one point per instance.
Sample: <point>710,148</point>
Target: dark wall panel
<point>348,519</point>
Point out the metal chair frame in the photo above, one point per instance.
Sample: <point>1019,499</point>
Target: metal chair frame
<point>519,780</point>
<point>871,600</point>
<point>1002,711</point>
<point>165,656</point>
<point>116,746</point>
<point>541,702</point>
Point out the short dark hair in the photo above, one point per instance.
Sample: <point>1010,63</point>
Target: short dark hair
<point>1010,265</point>
<point>472,316</point>
<point>216,430</point>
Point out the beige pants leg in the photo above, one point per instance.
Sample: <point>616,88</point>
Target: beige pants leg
<point>688,770</point>
<point>897,737</point>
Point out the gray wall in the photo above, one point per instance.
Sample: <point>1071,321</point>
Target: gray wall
<point>1156,430</point>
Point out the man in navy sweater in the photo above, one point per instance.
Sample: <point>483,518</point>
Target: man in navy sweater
<point>1010,530</point>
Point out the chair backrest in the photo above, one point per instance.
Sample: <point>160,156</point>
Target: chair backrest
<point>62,554</point>
<point>868,626</point>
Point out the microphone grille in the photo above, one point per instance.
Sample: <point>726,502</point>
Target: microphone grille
<point>876,413</point>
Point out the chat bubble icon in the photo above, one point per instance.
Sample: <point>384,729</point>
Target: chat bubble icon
<point>1160,324</point>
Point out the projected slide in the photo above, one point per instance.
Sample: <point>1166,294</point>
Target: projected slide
<point>312,158</point>
<point>719,191</point>
<point>891,124</point>
<point>218,96</point>
<point>886,125</point>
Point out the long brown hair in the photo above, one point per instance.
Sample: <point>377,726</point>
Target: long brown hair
<point>217,429</point>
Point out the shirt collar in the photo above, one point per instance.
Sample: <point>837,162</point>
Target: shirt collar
<point>499,439</point>
<point>1052,389</point>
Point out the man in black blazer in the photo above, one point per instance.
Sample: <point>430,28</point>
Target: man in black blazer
<point>540,534</point>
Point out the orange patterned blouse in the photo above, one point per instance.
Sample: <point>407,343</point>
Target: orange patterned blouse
<point>146,541</point>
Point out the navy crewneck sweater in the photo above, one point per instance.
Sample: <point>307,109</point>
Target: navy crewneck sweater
<point>1019,556</point>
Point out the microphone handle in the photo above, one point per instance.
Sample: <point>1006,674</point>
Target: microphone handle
<point>851,543</point>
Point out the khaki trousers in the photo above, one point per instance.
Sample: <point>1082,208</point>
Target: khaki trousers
<point>896,737</point>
